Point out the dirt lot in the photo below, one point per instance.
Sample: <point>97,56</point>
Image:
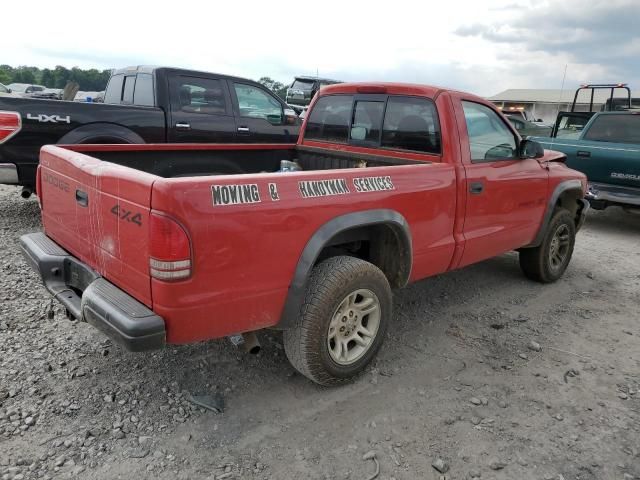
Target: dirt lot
<point>458,379</point>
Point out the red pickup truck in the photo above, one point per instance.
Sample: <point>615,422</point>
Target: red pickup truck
<point>392,183</point>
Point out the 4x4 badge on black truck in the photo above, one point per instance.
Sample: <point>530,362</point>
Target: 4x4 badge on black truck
<point>43,118</point>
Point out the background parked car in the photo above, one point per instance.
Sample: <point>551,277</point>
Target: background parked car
<point>47,93</point>
<point>303,89</point>
<point>24,89</point>
<point>5,91</point>
<point>526,128</point>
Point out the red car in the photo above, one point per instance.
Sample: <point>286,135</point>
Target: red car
<point>388,184</point>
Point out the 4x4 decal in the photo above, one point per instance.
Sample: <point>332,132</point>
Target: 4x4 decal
<point>127,215</point>
<point>43,118</point>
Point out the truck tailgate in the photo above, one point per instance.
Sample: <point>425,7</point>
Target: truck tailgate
<point>99,212</point>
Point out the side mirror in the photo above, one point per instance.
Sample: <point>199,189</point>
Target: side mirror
<point>8,90</point>
<point>290,117</point>
<point>531,149</point>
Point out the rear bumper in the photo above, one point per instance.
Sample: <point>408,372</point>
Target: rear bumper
<point>89,297</point>
<point>602,195</point>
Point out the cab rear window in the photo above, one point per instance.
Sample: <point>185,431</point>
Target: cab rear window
<point>394,122</point>
<point>330,119</point>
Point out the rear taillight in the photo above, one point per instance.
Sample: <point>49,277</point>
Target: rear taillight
<point>10,124</point>
<point>169,249</point>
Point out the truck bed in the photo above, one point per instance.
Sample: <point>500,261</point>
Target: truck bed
<point>173,161</point>
<point>100,204</point>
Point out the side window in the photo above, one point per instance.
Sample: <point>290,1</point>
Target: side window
<point>622,128</point>
<point>571,126</point>
<point>253,102</point>
<point>411,124</point>
<point>330,118</point>
<point>127,93</point>
<point>113,94</point>
<point>367,119</point>
<point>198,95</point>
<point>489,138</point>
<point>143,92</point>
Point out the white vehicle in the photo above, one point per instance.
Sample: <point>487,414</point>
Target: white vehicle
<point>25,89</point>
<point>6,91</point>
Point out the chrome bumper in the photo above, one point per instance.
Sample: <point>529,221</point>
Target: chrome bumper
<point>602,193</point>
<point>8,174</point>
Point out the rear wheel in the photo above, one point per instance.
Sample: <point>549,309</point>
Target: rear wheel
<point>342,322</point>
<point>547,262</point>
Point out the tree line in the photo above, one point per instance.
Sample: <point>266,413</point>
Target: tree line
<point>91,80</point>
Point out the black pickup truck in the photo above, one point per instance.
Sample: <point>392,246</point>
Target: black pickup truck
<point>144,105</point>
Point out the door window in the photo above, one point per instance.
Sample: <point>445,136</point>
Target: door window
<point>253,102</point>
<point>127,94</point>
<point>571,126</point>
<point>143,92</point>
<point>198,95</point>
<point>113,93</point>
<point>489,138</point>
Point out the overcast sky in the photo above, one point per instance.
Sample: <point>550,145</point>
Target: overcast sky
<point>483,46</point>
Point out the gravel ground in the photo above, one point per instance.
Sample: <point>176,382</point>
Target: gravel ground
<point>484,374</point>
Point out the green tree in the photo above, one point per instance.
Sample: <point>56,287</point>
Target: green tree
<point>47,79</point>
<point>23,75</point>
<point>278,88</point>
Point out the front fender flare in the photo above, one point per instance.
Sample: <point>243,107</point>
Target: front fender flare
<point>563,187</point>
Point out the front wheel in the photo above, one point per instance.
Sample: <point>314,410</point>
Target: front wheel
<point>547,262</point>
<point>342,322</point>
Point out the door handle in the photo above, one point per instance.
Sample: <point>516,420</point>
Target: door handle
<point>82,198</point>
<point>243,130</point>
<point>183,126</point>
<point>476,188</point>
<point>583,154</point>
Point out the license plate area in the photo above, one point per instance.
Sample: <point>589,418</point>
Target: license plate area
<point>77,275</point>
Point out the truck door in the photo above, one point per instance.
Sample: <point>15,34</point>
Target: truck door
<point>505,195</point>
<point>200,111</point>
<point>260,116</point>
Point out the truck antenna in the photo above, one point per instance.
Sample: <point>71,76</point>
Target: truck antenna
<point>564,77</point>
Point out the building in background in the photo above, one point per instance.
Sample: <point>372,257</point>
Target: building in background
<point>544,104</point>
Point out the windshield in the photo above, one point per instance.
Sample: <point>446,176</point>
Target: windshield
<point>3,89</point>
<point>18,87</point>
<point>306,85</point>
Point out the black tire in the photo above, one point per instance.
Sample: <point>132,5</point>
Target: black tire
<point>330,284</point>
<point>539,263</point>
